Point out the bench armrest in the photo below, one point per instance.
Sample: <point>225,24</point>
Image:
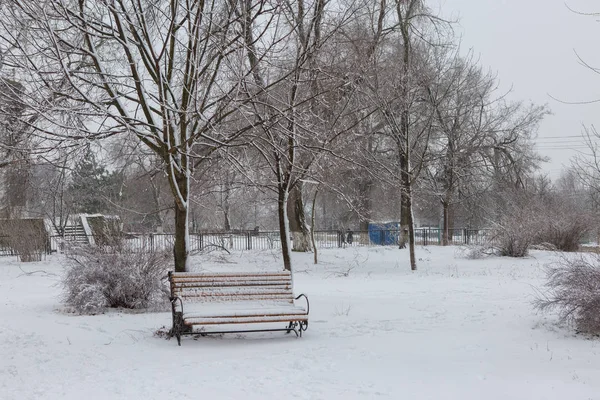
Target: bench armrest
<point>307,303</point>
<point>173,300</point>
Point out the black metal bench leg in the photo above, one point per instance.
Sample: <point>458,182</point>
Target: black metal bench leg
<point>177,326</point>
<point>289,328</point>
<point>292,327</point>
<point>303,326</point>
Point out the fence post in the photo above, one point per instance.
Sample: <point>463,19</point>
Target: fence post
<point>249,237</point>
<point>201,241</point>
<point>151,242</point>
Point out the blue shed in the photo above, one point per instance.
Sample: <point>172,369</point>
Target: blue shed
<point>384,233</point>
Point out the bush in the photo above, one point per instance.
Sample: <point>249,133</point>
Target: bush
<point>515,232</point>
<point>26,237</point>
<point>475,252</point>
<point>564,226</point>
<point>527,220</point>
<point>98,277</point>
<point>573,289</point>
<point>512,243</point>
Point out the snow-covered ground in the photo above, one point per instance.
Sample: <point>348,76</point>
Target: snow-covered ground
<point>455,329</point>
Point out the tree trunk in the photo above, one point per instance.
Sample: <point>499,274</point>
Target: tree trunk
<point>312,225</point>
<point>404,221</point>
<point>404,204</point>
<point>407,220</point>
<point>226,222</point>
<point>283,227</point>
<point>445,223</point>
<point>180,250</point>
<point>366,201</point>
<point>408,211</point>
<point>297,219</point>
<point>411,234</point>
<point>366,205</point>
<point>182,237</point>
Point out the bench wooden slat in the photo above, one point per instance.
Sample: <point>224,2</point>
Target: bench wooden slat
<point>266,310</point>
<point>201,276</point>
<point>231,284</point>
<point>247,315</point>
<point>203,297</point>
<point>243,320</point>
<point>232,290</point>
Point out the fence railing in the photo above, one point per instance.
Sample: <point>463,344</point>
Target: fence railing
<point>252,240</point>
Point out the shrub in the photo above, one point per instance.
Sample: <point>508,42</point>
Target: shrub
<point>475,252</point>
<point>563,225</point>
<point>26,237</point>
<point>512,243</point>
<point>556,222</point>
<point>515,232</point>
<point>573,289</point>
<point>98,277</point>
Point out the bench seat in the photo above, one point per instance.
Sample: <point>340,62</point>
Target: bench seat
<point>199,310</point>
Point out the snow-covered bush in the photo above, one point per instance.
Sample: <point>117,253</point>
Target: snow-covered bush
<point>573,289</point>
<point>512,242</point>
<point>563,224</point>
<point>552,222</point>
<point>514,233</point>
<point>98,277</point>
<point>474,252</point>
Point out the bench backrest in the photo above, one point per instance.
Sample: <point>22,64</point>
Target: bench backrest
<point>232,286</point>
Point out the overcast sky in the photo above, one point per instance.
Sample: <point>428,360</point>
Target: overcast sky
<point>531,45</point>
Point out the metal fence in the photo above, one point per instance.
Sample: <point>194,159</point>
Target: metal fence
<point>5,247</point>
<point>252,240</point>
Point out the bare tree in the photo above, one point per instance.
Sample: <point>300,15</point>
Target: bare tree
<point>293,132</point>
<point>50,189</point>
<point>168,73</point>
<point>472,122</point>
<point>398,93</point>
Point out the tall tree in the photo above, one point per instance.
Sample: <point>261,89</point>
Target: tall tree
<point>291,92</point>
<point>166,72</point>
<point>472,122</point>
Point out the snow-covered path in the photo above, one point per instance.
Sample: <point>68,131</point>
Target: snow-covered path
<point>455,329</point>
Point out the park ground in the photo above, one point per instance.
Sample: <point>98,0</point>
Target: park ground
<point>455,329</point>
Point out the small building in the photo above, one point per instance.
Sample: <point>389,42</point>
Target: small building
<point>384,233</point>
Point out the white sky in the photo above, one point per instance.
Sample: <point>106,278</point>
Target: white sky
<point>531,46</point>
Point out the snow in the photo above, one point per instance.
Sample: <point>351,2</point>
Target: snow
<point>454,329</point>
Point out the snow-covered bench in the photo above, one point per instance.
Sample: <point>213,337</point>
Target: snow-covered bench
<point>233,299</point>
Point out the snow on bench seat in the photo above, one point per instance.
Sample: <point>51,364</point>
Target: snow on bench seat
<point>242,320</point>
<point>241,310</point>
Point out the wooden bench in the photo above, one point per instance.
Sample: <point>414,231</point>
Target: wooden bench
<point>229,298</point>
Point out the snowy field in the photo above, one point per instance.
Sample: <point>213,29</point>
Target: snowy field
<point>455,329</point>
